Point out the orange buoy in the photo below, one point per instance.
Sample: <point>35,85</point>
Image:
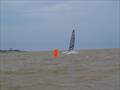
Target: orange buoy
<point>56,52</point>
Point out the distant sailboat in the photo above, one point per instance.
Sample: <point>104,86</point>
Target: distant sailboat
<point>71,45</point>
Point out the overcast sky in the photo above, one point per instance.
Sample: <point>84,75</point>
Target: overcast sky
<point>47,24</point>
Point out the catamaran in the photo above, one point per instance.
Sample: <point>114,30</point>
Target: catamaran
<point>71,45</point>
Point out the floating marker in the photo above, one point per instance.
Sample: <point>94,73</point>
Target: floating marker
<point>56,53</point>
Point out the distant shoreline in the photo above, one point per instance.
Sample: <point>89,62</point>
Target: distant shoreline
<point>11,50</point>
<point>93,49</point>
